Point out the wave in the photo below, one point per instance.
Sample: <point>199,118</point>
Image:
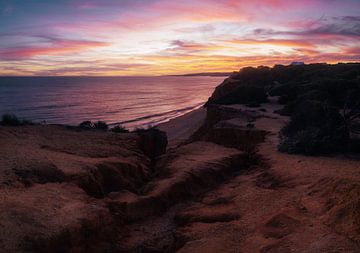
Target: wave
<point>132,102</point>
<point>160,117</point>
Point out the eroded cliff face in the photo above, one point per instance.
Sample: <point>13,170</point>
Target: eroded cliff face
<point>231,127</point>
<point>55,182</point>
<point>70,190</point>
<point>282,203</point>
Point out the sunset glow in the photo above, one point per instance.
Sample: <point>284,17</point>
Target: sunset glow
<point>156,37</point>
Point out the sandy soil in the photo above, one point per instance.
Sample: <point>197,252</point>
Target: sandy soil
<point>180,129</point>
<point>294,204</point>
<point>67,190</point>
<point>52,184</point>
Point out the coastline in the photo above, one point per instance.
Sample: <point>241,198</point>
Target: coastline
<point>92,190</point>
<point>154,101</point>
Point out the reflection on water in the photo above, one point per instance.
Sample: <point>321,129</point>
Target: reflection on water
<point>132,101</point>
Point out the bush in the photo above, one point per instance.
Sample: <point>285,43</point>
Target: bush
<point>285,99</point>
<point>101,125</point>
<point>12,120</point>
<point>310,141</point>
<point>86,124</point>
<point>253,105</point>
<point>245,94</point>
<point>119,129</point>
<point>291,104</point>
<point>314,128</point>
<point>259,76</point>
<point>336,90</point>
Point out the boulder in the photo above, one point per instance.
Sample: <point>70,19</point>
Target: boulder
<point>153,142</point>
<point>228,126</point>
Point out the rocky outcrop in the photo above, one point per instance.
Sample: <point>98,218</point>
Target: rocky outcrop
<point>229,126</point>
<point>183,174</point>
<point>67,190</point>
<point>53,181</point>
<point>244,94</point>
<point>153,142</point>
<point>245,87</point>
<point>112,176</point>
<point>225,88</point>
<point>32,172</point>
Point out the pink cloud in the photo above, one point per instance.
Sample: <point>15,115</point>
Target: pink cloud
<point>275,42</point>
<point>195,31</point>
<point>58,47</point>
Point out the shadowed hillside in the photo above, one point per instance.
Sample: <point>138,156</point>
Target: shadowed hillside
<point>323,102</point>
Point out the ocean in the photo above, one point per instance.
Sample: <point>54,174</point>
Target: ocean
<point>133,102</point>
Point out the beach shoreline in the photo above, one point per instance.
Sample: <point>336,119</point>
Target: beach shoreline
<point>130,102</point>
<point>179,129</point>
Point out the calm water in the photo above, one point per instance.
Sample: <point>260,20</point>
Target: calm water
<point>130,101</point>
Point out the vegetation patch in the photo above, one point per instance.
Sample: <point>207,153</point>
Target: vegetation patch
<point>322,101</point>
<point>13,120</point>
<point>314,128</point>
<point>119,129</point>
<point>246,94</point>
<point>99,125</point>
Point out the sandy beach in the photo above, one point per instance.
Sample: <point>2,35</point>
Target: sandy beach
<point>181,128</point>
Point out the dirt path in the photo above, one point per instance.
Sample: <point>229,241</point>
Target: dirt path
<point>295,205</point>
<point>208,195</point>
<point>288,203</point>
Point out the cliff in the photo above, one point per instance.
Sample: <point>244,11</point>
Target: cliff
<point>221,185</point>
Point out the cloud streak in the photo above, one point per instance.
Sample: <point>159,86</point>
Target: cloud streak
<point>58,47</point>
<point>126,37</point>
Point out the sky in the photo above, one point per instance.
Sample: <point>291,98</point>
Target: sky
<point>160,37</point>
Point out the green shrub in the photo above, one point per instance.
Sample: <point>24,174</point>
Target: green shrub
<point>119,129</point>
<point>314,128</point>
<point>12,120</point>
<point>101,125</point>
<point>311,141</point>
<point>259,76</point>
<point>253,105</point>
<point>336,90</point>
<point>287,98</point>
<point>245,94</point>
<point>86,125</point>
<point>291,104</point>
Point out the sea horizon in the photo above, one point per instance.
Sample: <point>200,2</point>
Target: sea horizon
<point>225,74</point>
